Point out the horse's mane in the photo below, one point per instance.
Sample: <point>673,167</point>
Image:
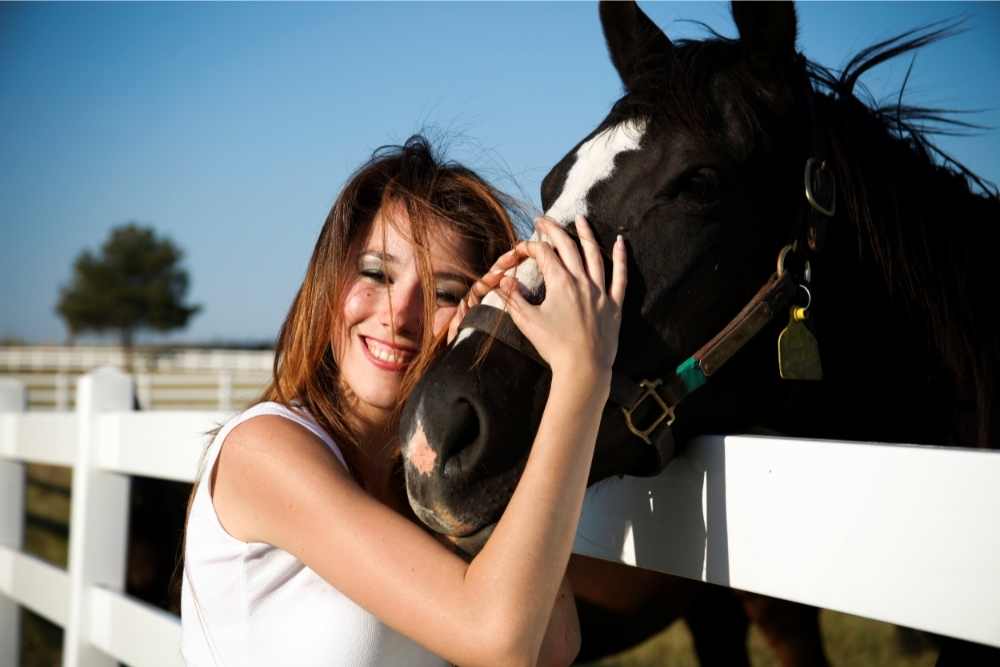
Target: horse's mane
<point>932,237</point>
<point>910,123</point>
<point>929,223</point>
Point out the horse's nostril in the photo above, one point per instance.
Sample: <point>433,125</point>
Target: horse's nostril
<point>462,430</point>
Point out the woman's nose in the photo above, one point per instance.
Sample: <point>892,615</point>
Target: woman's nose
<point>404,309</point>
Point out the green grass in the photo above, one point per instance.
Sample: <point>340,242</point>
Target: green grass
<point>47,504</point>
<point>849,640</point>
<point>41,641</point>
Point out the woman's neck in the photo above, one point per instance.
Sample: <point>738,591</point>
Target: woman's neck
<point>377,453</point>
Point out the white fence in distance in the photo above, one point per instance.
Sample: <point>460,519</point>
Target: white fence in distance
<point>903,534</point>
<point>218,390</point>
<point>81,358</point>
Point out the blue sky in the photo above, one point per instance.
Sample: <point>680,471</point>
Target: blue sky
<point>230,128</point>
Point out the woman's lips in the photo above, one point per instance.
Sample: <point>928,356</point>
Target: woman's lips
<point>385,355</point>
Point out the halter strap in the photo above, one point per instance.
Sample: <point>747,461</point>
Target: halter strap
<point>666,393</point>
<point>498,324</point>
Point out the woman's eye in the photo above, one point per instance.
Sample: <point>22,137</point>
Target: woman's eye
<point>374,275</point>
<point>445,298</point>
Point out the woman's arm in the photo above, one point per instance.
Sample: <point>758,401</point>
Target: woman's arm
<point>562,639</point>
<point>277,483</point>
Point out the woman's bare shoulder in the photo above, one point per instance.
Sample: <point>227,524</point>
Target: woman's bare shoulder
<point>260,459</point>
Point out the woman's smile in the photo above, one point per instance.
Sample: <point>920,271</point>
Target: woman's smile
<point>387,356</point>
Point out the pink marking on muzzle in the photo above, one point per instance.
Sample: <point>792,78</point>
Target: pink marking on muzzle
<point>419,452</point>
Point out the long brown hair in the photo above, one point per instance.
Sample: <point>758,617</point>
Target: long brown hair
<point>436,196</point>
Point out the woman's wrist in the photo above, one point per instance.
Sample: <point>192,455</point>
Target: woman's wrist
<point>584,379</point>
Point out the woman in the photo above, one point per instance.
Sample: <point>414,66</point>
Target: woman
<point>300,547</point>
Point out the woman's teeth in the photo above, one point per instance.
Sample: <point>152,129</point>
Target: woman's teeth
<point>387,354</point>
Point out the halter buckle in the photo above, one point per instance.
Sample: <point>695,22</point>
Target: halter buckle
<point>649,390</point>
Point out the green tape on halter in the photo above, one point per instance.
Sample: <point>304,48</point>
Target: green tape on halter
<point>691,374</point>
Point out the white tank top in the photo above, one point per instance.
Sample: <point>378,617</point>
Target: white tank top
<point>250,603</point>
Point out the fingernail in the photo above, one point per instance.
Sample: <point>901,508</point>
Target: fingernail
<point>619,239</point>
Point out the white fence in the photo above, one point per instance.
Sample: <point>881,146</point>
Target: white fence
<point>82,358</point>
<point>104,442</point>
<point>219,390</point>
<point>908,535</point>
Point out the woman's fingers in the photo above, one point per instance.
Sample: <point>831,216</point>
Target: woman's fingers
<point>506,261</point>
<point>483,286</point>
<point>486,284</point>
<point>514,301</point>
<point>591,251</point>
<point>550,263</point>
<point>619,274</point>
<point>489,281</point>
<point>564,246</point>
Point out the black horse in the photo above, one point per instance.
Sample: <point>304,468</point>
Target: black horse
<point>759,197</point>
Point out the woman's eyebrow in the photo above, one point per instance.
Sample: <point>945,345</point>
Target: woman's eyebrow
<point>378,254</point>
<point>448,275</point>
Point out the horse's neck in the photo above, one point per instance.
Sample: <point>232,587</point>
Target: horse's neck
<point>912,310</point>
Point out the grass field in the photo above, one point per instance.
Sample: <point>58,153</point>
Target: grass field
<point>849,641</point>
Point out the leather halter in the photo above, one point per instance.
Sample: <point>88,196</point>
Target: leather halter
<point>665,393</point>
<point>774,297</point>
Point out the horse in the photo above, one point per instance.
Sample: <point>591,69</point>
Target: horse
<point>761,200</point>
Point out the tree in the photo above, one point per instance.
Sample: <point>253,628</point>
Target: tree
<point>135,282</point>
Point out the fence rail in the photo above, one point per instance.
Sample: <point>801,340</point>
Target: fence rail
<point>83,358</point>
<point>902,534</point>
<point>220,390</point>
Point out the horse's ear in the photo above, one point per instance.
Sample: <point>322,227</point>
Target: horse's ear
<point>768,29</point>
<point>636,45</point>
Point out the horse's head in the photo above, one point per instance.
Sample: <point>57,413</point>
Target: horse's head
<point>699,166</point>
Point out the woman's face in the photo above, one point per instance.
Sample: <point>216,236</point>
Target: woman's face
<point>384,309</point>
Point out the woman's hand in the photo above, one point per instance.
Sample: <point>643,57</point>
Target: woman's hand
<point>575,329</point>
<point>489,282</point>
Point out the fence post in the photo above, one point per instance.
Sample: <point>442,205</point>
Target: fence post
<point>144,389</point>
<point>13,398</point>
<point>62,391</point>
<point>98,531</point>
<point>225,396</point>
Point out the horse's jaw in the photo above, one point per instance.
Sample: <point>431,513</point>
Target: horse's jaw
<point>472,544</point>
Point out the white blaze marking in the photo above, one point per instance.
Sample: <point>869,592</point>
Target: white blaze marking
<point>462,335</point>
<point>595,162</point>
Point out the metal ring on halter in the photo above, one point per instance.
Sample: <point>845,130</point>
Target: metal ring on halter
<point>820,168</point>
<point>781,259</point>
<point>806,270</point>
<point>809,296</point>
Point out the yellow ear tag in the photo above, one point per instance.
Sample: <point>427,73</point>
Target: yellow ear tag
<point>798,351</point>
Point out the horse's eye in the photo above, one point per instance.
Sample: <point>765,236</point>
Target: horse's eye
<point>701,185</point>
